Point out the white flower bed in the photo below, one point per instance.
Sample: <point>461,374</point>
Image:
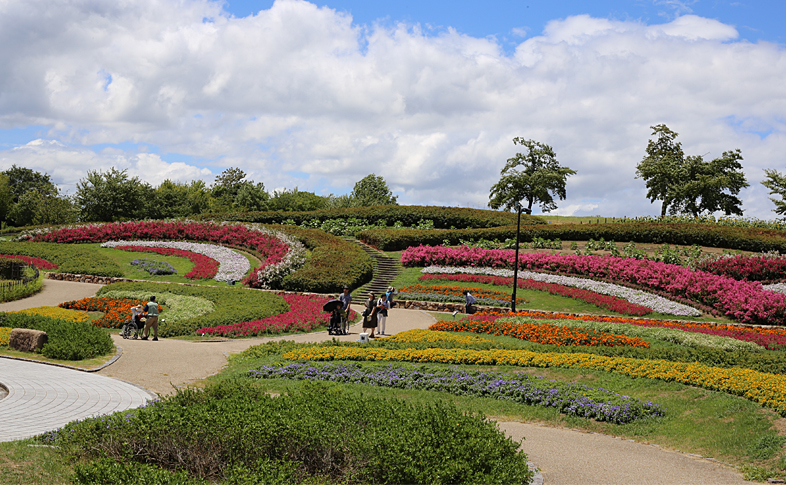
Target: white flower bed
<point>657,303</point>
<point>271,275</point>
<point>232,266</point>
<point>777,287</point>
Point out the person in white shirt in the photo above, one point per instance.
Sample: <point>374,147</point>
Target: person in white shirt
<point>382,313</point>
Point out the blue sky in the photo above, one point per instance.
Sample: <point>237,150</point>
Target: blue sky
<point>426,94</point>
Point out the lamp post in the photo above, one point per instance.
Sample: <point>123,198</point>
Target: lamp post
<point>519,209</point>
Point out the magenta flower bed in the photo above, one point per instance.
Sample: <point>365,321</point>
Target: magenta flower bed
<point>32,261</point>
<point>604,301</point>
<point>305,315</point>
<point>227,234</point>
<point>748,268</point>
<point>743,301</point>
<point>204,267</point>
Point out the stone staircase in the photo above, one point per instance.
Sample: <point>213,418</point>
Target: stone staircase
<point>385,271</point>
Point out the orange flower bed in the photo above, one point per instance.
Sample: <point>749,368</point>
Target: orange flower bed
<point>542,334</point>
<point>117,311</point>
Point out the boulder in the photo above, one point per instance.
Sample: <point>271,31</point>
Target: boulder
<point>27,340</point>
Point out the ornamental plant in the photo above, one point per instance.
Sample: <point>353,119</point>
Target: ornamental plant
<point>55,312</point>
<point>5,335</point>
<point>31,261</point>
<point>763,268</point>
<point>455,294</point>
<point>204,267</point>
<point>154,267</point>
<point>117,311</point>
<point>180,308</point>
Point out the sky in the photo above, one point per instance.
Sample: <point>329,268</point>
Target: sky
<point>429,95</point>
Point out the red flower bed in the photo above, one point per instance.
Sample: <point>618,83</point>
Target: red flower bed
<point>604,301</point>
<point>32,261</point>
<point>305,314</point>
<point>204,267</point>
<point>748,268</point>
<point>542,334</point>
<point>117,311</point>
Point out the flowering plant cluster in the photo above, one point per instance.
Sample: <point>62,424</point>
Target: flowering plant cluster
<point>231,265</point>
<point>204,267</point>
<point>55,312</point>
<point>32,261</point>
<point>116,311</point>
<point>744,301</point>
<point>608,302</point>
<point>305,314</point>
<point>649,300</point>
<point>179,307</point>
<point>154,267</point>
<point>270,275</point>
<point>764,388</point>
<point>419,335</point>
<point>5,335</point>
<point>763,268</point>
<point>540,333</point>
<point>572,399</point>
<point>441,293</point>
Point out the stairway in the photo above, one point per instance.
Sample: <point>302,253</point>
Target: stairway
<point>385,271</point>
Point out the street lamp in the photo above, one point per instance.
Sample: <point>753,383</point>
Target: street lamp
<point>519,209</point>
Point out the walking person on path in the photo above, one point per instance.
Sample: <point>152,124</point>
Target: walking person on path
<point>345,299</point>
<point>370,316</point>
<point>152,319</point>
<point>470,301</point>
<point>382,313</point>
<point>390,293</point>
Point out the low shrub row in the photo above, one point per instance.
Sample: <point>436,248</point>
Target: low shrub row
<point>23,288</point>
<point>68,257</point>
<point>232,305</point>
<point>408,215</point>
<point>67,340</point>
<point>398,239</point>
<point>233,432</point>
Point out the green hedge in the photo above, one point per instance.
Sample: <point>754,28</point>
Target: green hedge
<point>233,305</point>
<point>12,292</point>
<point>71,258</point>
<point>66,340</point>
<point>443,217</point>
<point>735,238</point>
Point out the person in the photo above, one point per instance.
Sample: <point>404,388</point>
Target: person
<point>152,319</point>
<point>346,299</point>
<point>382,312</point>
<point>136,320</point>
<point>470,301</point>
<point>390,293</point>
<point>370,316</point>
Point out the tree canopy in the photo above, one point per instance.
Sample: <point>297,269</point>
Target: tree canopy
<point>534,176</point>
<point>372,190</point>
<point>111,196</point>
<point>776,182</point>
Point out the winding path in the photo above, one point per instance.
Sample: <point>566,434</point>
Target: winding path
<point>564,456</point>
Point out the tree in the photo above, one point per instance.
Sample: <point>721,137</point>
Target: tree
<point>372,190</point>
<point>296,200</point>
<point>233,193</point>
<point>535,176</point>
<point>6,197</point>
<point>22,180</point>
<point>690,184</point>
<point>111,196</point>
<point>776,182</point>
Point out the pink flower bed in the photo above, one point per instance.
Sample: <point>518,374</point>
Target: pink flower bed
<point>227,234</point>
<point>306,314</point>
<point>204,267</point>
<point>756,268</point>
<point>32,261</point>
<point>604,301</point>
<point>741,300</point>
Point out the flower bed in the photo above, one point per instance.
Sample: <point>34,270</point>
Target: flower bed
<point>5,335</point>
<point>419,335</point>
<point>540,333</point>
<point>117,311</point>
<point>204,267</point>
<point>305,314</point>
<point>32,261</point>
<point>179,308</point>
<point>441,293</point>
<point>744,301</point>
<point>572,399</point>
<point>55,312</point>
<point>154,267</point>
<point>608,302</point>
<point>766,389</point>
<point>638,297</point>
<point>764,268</point>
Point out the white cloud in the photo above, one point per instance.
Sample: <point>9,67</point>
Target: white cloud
<point>299,88</point>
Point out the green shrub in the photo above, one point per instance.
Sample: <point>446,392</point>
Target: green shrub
<point>66,340</point>
<point>233,432</point>
<point>12,292</point>
<point>71,258</point>
<point>232,305</point>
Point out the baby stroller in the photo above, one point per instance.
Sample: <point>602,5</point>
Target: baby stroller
<point>335,326</point>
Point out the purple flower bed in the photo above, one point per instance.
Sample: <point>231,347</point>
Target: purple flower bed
<point>573,399</point>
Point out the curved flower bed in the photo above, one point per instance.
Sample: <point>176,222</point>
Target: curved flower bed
<point>231,265</point>
<point>569,399</point>
<point>116,311</point>
<point>154,267</point>
<point>749,268</point>
<point>442,293</point>
<point>419,335</point>
<point>766,389</point>
<point>55,312</point>
<point>32,261</point>
<point>305,314</point>
<point>541,333</point>
<point>179,307</point>
<point>743,301</point>
<point>637,297</point>
<point>608,302</point>
<point>204,267</point>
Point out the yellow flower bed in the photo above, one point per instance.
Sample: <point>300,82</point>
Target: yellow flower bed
<point>433,336</point>
<point>5,334</point>
<point>56,312</point>
<point>766,389</point>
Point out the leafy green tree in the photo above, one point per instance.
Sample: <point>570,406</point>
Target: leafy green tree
<point>232,192</point>
<point>372,190</point>
<point>296,200</point>
<point>35,208</point>
<point>6,197</point>
<point>690,184</point>
<point>111,196</point>
<point>22,180</point>
<point>534,176</point>
<point>776,182</point>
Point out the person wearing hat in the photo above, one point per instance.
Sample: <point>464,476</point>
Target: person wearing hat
<point>391,291</point>
<point>370,316</point>
<point>382,312</point>
<point>152,319</point>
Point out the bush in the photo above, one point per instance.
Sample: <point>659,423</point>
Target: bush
<point>67,340</point>
<point>232,305</point>
<point>233,432</point>
<point>11,292</point>
<point>70,258</point>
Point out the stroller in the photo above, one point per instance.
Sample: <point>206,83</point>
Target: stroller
<point>336,326</point>
<point>133,324</point>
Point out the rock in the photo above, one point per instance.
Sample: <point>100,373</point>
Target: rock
<point>27,340</point>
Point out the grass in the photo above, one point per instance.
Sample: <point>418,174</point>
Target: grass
<point>25,462</point>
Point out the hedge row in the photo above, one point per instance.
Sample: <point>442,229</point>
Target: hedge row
<point>333,263</point>
<point>67,340</point>
<point>233,305</point>
<point>443,217</point>
<point>736,238</point>
<point>70,258</point>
